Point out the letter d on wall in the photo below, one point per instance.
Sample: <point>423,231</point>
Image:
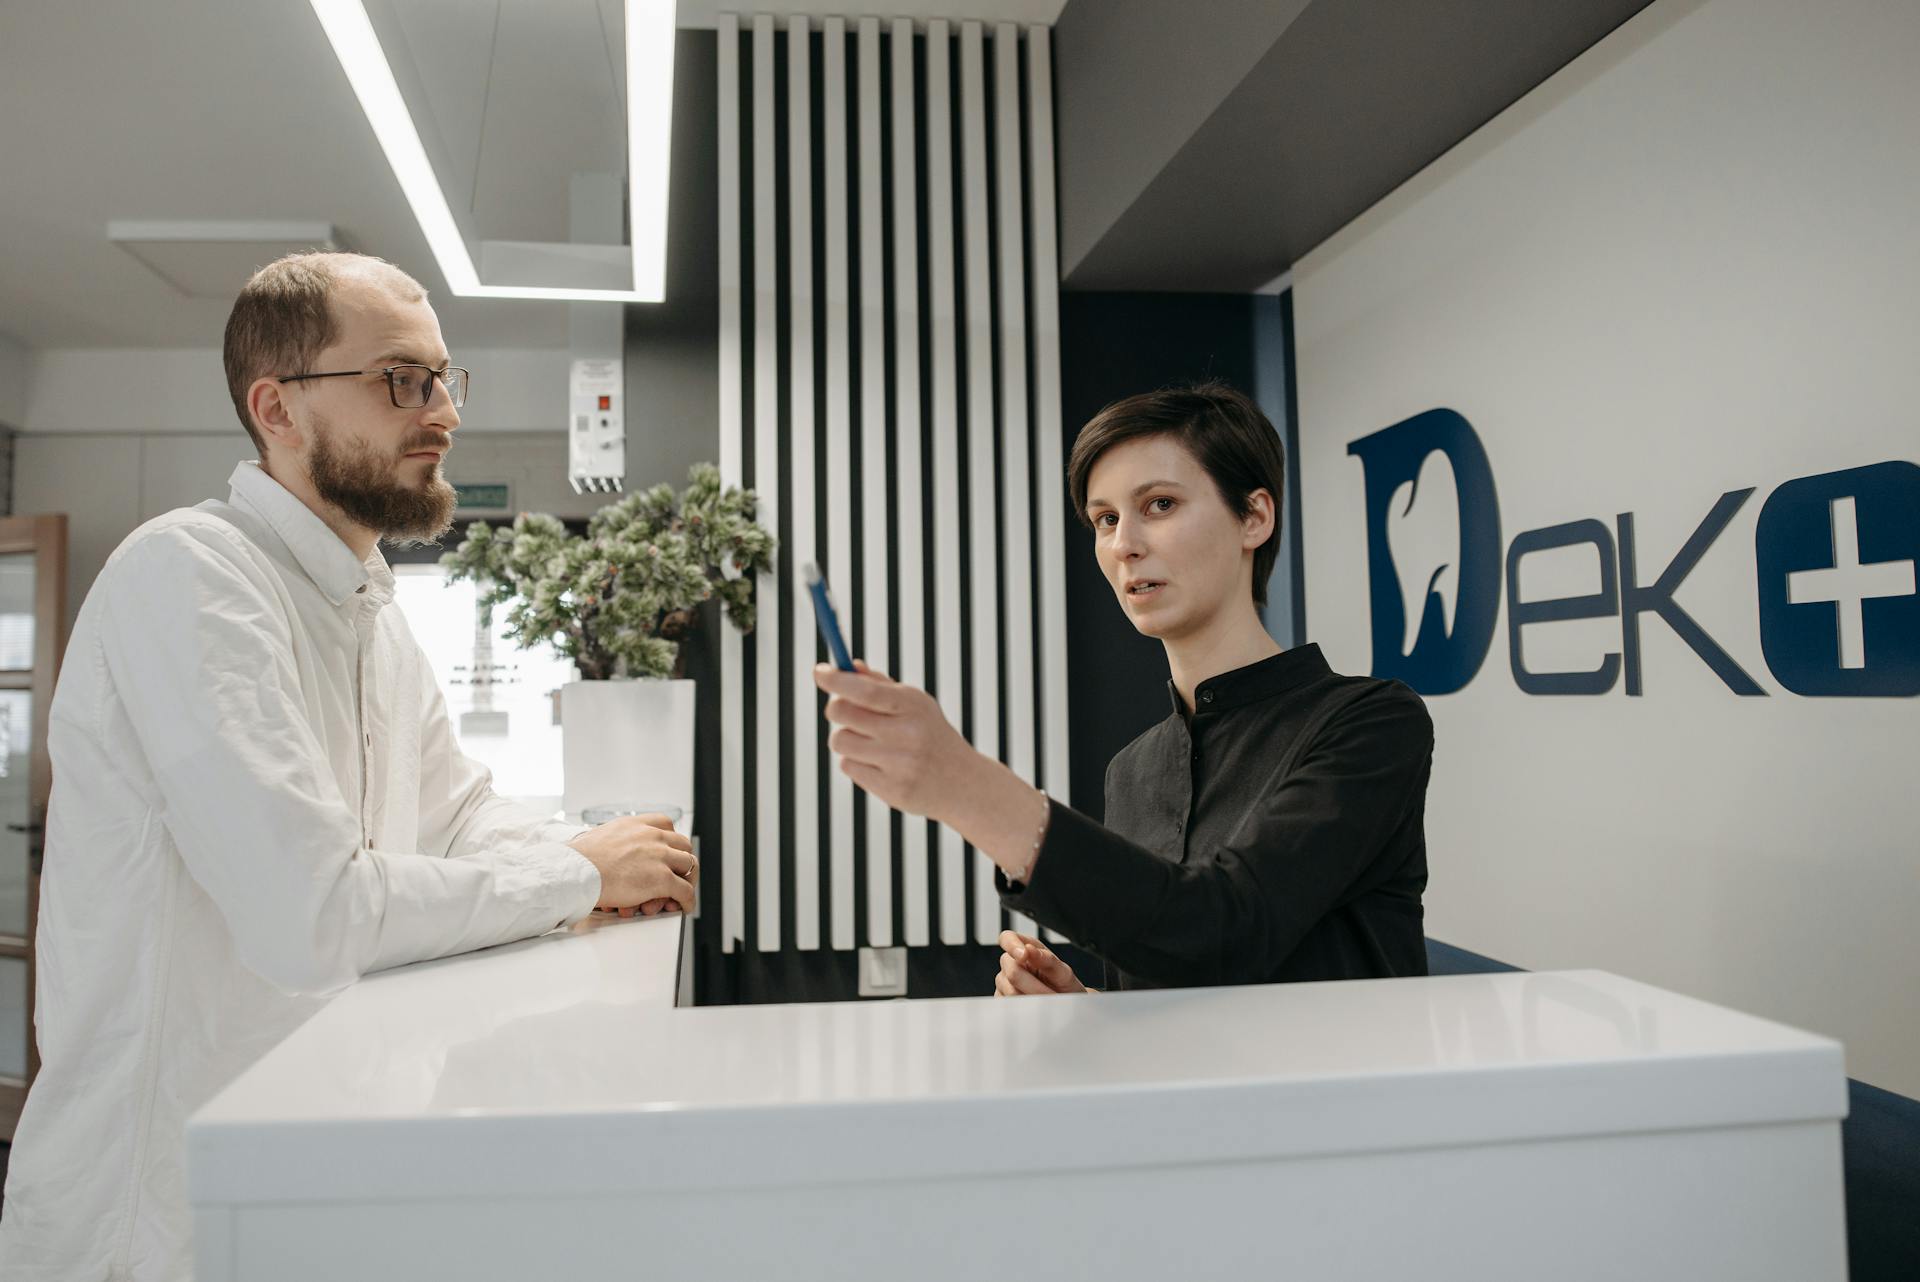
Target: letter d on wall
<point>1433,550</point>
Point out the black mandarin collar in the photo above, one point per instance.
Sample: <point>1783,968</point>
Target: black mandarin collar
<point>1256,681</point>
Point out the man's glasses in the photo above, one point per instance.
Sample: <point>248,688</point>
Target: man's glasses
<point>408,386</point>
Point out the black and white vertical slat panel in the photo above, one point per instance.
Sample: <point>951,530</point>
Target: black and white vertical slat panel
<point>839,491</point>
<point>1043,270</point>
<point>943,414</point>
<point>876,599</point>
<point>766,454</point>
<point>802,545</point>
<point>733,907</point>
<point>890,386</point>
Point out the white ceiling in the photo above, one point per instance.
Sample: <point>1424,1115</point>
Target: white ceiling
<point>706,13</point>
<point>209,109</point>
<point>236,109</point>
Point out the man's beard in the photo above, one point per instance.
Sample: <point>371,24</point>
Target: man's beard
<point>363,484</point>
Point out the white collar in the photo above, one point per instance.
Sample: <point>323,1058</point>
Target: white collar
<point>321,553</point>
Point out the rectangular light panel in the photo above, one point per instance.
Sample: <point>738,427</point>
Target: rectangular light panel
<point>649,70</point>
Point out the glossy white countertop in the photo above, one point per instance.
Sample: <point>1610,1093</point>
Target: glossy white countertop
<point>557,1066</point>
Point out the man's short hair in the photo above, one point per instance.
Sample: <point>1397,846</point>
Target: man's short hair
<point>1224,431</point>
<point>284,318</point>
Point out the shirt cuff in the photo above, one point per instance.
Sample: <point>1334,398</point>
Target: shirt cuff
<point>1073,885</point>
<point>554,830</point>
<point>576,882</point>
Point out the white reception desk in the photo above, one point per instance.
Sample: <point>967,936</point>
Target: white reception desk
<point>542,1111</point>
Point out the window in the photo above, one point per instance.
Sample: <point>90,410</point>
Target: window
<point>501,699</point>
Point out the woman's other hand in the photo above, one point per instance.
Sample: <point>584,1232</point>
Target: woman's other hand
<point>1029,968</point>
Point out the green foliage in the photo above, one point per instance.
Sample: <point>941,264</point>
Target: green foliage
<point>619,601</point>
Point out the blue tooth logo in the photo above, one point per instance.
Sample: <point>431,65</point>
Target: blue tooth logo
<point>1425,547</point>
<point>1835,557</point>
<point>1433,550</point>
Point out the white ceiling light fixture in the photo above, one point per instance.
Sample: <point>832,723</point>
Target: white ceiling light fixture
<point>213,258</point>
<point>649,94</point>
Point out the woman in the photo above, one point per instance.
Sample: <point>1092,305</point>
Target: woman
<point>1270,828</point>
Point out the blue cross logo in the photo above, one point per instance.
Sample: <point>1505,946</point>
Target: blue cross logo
<point>1839,614</point>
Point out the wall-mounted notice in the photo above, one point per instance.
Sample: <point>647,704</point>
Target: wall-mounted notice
<point>597,426</point>
<point>491,497</point>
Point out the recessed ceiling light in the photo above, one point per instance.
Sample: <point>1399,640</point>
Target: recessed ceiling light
<point>649,70</point>
<point>210,258</point>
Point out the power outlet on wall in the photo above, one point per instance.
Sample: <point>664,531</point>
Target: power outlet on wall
<point>883,972</point>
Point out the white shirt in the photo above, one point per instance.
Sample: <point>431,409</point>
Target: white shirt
<point>257,798</point>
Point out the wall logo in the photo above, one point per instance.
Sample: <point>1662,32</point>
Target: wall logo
<point>1835,555</point>
<point>1834,558</point>
<point>1434,578</point>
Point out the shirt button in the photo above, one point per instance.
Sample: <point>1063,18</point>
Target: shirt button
<point>1206,696</point>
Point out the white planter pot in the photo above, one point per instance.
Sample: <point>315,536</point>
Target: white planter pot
<point>627,741</point>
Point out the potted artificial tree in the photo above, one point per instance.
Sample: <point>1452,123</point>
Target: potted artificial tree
<point>618,602</point>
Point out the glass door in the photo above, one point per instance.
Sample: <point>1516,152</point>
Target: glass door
<point>33,575</point>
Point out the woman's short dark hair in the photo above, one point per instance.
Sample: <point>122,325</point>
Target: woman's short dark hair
<point>1223,430</point>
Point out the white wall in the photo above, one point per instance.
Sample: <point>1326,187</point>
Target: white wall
<point>1683,266</point>
<point>15,364</point>
<point>109,483</point>
<point>148,390</point>
<point>115,437</point>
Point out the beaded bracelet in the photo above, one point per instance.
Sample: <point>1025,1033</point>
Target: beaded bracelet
<point>1046,820</point>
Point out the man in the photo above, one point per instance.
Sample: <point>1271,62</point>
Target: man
<point>257,794</point>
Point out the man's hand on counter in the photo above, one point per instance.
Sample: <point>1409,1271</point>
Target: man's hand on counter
<point>643,864</point>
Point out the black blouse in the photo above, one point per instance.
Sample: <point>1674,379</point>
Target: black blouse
<point>1277,834</point>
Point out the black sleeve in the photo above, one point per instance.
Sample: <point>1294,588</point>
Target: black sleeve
<point>1233,915</point>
